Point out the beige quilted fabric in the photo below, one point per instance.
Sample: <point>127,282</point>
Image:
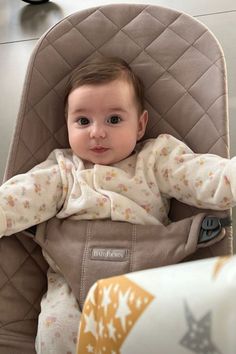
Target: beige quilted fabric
<point>175,55</point>
<point>183,69</point>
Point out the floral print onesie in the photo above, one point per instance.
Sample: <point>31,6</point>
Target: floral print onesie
<point>136,190</point>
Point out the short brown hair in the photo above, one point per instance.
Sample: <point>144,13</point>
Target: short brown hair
<point>104,70</point>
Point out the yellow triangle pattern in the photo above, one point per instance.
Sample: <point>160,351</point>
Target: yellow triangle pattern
<point>112,308</point>
<point>219,264</point>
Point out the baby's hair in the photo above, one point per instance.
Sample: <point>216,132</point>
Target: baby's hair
<point>105,70</point>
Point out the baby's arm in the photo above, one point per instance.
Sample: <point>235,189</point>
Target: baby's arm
<point>31,198</point>
<point>202,180</point>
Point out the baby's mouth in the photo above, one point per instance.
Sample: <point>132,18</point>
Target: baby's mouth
<point>99,149</point>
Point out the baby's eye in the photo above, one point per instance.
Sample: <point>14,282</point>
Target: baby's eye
<point>114,120</point>
<point>83,121</point>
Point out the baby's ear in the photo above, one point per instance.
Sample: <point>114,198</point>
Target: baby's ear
<point>142,123</point>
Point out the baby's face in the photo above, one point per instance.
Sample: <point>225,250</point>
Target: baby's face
<point>103,122</point>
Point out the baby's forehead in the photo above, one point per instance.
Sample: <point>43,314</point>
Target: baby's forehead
<point>109,87</point>
<point>113,96</point>
<point>120,88</point>
<point>96,81</point>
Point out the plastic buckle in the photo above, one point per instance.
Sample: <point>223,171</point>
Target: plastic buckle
<point>210,228</point>
<point>31,230</point>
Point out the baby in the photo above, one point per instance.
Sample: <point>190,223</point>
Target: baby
<point>106,174</point>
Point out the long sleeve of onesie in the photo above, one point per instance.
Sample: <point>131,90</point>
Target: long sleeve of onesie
<point>202,180</point>
<point>135,190</point>
<point>31,198</point>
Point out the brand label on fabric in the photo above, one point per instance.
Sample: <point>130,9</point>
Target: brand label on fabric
<point>109,254</point>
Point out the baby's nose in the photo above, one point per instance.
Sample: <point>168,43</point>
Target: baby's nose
<point>97,131</point>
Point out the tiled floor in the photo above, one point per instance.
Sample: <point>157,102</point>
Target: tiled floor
<point>21,25</point>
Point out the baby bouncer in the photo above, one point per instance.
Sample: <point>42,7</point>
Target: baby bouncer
<point>183,69</point>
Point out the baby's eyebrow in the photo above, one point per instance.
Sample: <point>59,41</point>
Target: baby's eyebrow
<point>117,109</point>
<point>79,110</point>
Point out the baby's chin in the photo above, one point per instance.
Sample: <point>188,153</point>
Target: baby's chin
<point>103,162</point>
<point>105,159</point>
<point>98,161</point>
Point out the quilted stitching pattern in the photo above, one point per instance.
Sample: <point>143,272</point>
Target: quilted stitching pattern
<point>24,303</point>
<point>178,60</point>
<point>171,43</point>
